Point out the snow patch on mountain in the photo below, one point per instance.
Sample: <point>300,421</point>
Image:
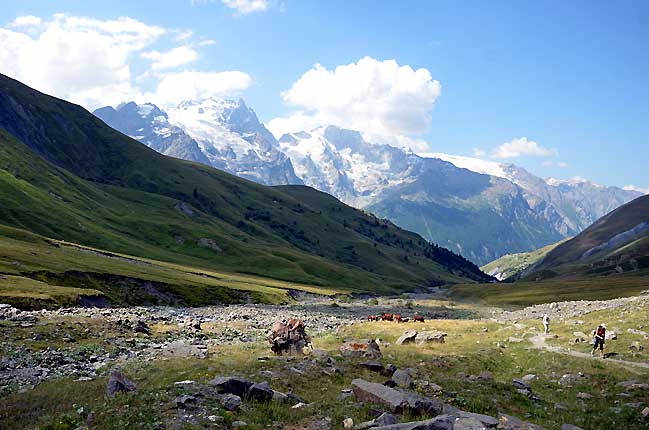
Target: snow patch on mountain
<point>474,164</point>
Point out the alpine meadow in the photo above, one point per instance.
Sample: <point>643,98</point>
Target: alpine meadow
<point>265,214</point>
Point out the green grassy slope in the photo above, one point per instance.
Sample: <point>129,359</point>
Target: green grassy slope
<point>616,244</point>
<point>521,294</point>
<point>38,272</point>
<point>510,266</point>
<point>64,174</point>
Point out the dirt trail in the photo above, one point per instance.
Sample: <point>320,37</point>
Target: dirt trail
<point>538,341</point>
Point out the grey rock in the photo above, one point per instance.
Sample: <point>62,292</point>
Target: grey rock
<point>403,378</point>
<point>231,385</point>
<point>118,383</point>
<point>521,385</point>
<point>260,392</point>
<point>184,401</point>
<point>407,337</point>
<point>570,427</point>
<point>395,400</point>
<point>230,402</point>
<point>442,422</point>
<point>430,337</point>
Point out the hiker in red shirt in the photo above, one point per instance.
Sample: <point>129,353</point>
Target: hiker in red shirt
<point>599,338</point>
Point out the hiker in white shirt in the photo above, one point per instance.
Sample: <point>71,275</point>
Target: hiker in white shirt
<point>546,323</point>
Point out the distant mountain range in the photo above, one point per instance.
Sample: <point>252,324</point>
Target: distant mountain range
<point>480,209</point>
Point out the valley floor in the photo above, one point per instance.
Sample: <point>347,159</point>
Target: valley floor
<point>54,365</point>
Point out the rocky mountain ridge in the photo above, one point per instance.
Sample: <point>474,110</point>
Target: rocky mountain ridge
<point>463,203</point>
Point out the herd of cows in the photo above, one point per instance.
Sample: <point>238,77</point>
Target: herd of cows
<point>394,317</point>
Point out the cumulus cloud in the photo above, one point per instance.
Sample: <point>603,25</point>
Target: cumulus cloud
<point>26,21</point>
<point>382,99</point>
<point>91,62</point>
<point>76,58</point>
<point>520,147</point>
<point>245,7</point>
<point>176,87</point>
<point>635,188</point>
<point>170,59</point>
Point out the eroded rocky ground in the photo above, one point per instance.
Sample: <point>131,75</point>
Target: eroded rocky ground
<point>488,374</point>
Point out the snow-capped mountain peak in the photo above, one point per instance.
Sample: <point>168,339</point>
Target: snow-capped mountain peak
<point>223,133</point>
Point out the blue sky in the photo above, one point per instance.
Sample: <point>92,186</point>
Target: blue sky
<point>561,83</point>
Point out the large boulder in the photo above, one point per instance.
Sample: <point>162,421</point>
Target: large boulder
<point>371,392</point>
<point>288,337</point>
<point>361,348</point>
<point>395,400</point>
<point>231,385</point>
<point>260,392</point>
<point>407,337</point>
<point>118,383</point>
<point>430,337</point>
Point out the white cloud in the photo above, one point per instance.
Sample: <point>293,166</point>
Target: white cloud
<point>548,163</point>
<point>80,59</point>
<point>206,42</point>
<point>382,99</point>
<point>635,188</point>
<point>562,164</point>
<point>245,7</point>
<point>91,62</point>
<point>520,147</point>
<point>172,58</point>
<point>477,152</point>
<point>26,21</point>
<point>176,87</point>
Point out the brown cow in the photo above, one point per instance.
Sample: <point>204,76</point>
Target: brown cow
<point>418,318</point>
<point>387,317</point>
<point>398,318</point>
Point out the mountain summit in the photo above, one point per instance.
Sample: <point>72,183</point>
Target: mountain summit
<point>225,134</point>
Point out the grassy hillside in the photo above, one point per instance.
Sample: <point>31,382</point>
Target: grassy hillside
<point>64,174</point>
<point>521,294</point>
<point>512,265</point>
<point>617,243</point>
<point>37,272</point>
